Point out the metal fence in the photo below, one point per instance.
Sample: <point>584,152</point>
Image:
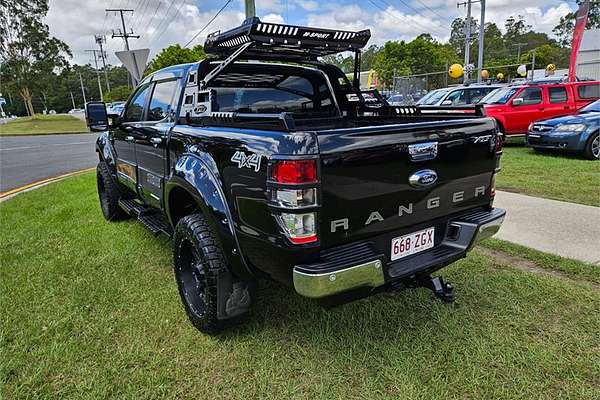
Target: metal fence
<point>413,87</point>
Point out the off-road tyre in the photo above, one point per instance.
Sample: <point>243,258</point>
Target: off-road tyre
<point>109,194</point>
<point>199,263</point>
<point>592,147</point>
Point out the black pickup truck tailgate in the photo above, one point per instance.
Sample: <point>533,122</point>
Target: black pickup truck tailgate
<point>365,175</point>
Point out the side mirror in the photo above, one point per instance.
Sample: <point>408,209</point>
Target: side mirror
<point>447,102</point>
<point>95,116</point>
<point>517,102</point>
<point>114,120</point>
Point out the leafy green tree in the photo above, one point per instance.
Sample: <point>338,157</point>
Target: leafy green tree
<point>28,53</point>
<point>457,36</point>
<point>564,29</point>
<point>119,93</point>
<point>549,54</point>
<point>173,55</point>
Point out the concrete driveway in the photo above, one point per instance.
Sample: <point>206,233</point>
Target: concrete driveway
<point>557,227</point>
<point>27,159</point>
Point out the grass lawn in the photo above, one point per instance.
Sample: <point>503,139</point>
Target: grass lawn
<point>90,310</point>
<point>551,175</point>
<point>43,125</point>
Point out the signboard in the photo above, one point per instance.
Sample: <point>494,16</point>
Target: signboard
<point>581,18</point>
<point>134,61</point>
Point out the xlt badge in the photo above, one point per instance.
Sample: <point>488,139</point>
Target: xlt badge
<point>423,178</point>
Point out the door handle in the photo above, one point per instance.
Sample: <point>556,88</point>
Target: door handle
<point>127,128</point>
<point>129,138</point>
<point>155,141</point>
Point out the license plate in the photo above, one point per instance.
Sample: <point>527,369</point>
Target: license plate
<point>412,243</point>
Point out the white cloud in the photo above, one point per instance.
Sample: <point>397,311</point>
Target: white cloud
<point>273,18</point>
<point>308,5</point>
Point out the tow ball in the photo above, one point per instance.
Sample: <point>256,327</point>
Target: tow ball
<point>442,290</point>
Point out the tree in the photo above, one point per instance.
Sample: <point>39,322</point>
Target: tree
<point>457,35</point>
<point>564,29</point>
<point>119,93</point>
<point>549,54</point>
<point>27,51</point>
<point>175,54</point>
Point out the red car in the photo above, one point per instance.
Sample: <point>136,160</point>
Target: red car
<point>515,107</point>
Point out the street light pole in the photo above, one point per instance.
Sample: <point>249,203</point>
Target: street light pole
<point>480,47</point>
<point>250,8</point>
<point>82,90</point>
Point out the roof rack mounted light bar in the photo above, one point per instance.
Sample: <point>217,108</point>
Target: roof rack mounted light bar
<point>284,41</point>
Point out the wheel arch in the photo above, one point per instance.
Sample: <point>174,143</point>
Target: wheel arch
<point>194,186</point>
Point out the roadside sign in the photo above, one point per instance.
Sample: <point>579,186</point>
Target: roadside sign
<point>134,61</point>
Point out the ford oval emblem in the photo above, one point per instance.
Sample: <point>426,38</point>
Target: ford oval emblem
<point>423,178</point>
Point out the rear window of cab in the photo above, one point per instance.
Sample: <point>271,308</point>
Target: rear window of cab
<point>589,91</point>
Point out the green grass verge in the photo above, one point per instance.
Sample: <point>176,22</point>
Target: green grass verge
<point>571,268</point>
<point>90,310</point>
<point>550,175</point>
<point>43,125</point>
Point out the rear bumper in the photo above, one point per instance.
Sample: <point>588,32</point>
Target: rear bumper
<point>361,265</point>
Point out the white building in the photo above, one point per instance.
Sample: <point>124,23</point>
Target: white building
<point>588,59</point>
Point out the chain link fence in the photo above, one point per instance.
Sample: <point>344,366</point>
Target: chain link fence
<point>410,88</point>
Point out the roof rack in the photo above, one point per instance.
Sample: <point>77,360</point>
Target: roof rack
<point>278,41</point>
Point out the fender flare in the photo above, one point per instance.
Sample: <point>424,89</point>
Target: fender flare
<point>105,151</point>
<point>198,175</point>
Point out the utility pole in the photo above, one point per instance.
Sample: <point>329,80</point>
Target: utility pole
<point>100,40</point>
<point>467,37</point>
<point>533,64</point>
<point>82,90</point>
<point>93,51</point>
<point>72,99</point>
<point>519,45</point>
<point>480,47</point>
<point>126,35</point>
<point>250,8</point>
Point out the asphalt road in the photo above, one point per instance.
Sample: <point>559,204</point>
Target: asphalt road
<point>26,159</point>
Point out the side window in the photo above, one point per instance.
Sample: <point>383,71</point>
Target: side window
<point>531,96</point>
<point>135,108</point>
<point>160,103</point>
<point>477,94</point>
<point>589,92</point>
<point>557,94</point>
<point>457,97</point>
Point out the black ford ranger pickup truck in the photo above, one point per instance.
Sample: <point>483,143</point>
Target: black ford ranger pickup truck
<point>261,161</point>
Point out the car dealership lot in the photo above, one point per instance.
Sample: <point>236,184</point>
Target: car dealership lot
<point>90,311</point>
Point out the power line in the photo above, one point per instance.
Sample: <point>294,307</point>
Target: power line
<point>433,11</point>
<point>209,22</point>
<point>164,19</point>
<point>408,20</point>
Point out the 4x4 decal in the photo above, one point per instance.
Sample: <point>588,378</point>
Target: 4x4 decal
<point>243,161</point>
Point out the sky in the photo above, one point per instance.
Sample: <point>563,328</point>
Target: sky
<point>161,23</point>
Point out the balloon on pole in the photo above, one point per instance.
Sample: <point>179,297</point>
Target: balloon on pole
<point>522,70</point>
<point>485,74</point>
<point>455,71</point>
<point>500,76</point>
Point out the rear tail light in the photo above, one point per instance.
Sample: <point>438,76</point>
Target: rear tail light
<point>294,198</point>
<point>294,171</point>
<point>300,228</point>
<point>493,186</point>
<point>499,142</point>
